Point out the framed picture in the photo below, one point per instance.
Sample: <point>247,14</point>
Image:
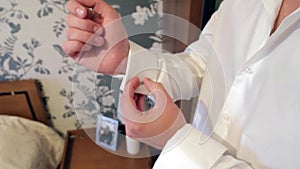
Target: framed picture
<point>107,132</point>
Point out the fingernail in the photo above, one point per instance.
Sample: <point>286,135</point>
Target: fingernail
<point>98,29</point>
<point>80,12</point>
<point>99,41</point>
<point>135,79</point>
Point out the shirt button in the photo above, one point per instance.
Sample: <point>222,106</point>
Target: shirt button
<point>248,70</point>
<point>226,117</point>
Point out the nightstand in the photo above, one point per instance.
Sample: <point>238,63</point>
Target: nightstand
<point>81,152</point>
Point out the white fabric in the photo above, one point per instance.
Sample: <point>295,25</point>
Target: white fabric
<point>144,63</point>
<point>28,144</point>
<point>259,120</point>
<point>176,158</point>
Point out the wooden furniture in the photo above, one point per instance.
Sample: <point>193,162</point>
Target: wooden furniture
<point>82,153</point>
<point>23,98</point>
<point>189,10</point>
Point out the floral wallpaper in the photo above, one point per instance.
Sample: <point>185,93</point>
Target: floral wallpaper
<point>31,34</point>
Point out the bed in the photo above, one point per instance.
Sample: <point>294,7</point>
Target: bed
<point>27,140</point>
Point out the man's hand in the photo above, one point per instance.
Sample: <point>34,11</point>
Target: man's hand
<point>156,125</point>
<point>98,41</point>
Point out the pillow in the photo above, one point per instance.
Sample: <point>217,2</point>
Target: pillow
<point>28,144</point>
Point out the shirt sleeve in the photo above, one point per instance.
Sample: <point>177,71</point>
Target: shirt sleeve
<point>179,73</point>
<point>189,148</point>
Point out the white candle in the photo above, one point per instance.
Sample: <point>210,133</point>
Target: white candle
<point>132,145</point>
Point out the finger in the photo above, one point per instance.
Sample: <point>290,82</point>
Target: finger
<point>152,86</point>
<point>84,24</point>
<point>74,34</point>
<point>73,47</point>
<point>140,102</point>
<point>80,8</point>
<point>77,9</point>
<point>99,5</point>
<point>89,3</point>
<point>132,86</point>
<point>161,97</point>
<point>128,104</point>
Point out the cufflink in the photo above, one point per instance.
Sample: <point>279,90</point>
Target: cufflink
<point>91,14</point>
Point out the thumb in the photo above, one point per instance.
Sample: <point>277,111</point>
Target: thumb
<point>155,88</point>
<point>161,97</point>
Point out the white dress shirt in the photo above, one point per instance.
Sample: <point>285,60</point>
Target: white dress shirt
<point>250,90</point>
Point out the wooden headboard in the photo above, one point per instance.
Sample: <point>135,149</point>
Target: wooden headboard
<point>23,98</point>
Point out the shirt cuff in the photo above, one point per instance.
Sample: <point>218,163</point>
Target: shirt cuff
<point>189,148</point>
<point>141,63</point>
<point>170,70</point>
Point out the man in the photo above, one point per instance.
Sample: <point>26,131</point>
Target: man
<point>256,42</point>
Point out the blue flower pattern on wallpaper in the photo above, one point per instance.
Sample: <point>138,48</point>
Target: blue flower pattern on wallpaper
<point>100,97</point>
<point>59,27</point>
<point>14,67</point>
<point>47,8</point>
<point>19,58</point>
